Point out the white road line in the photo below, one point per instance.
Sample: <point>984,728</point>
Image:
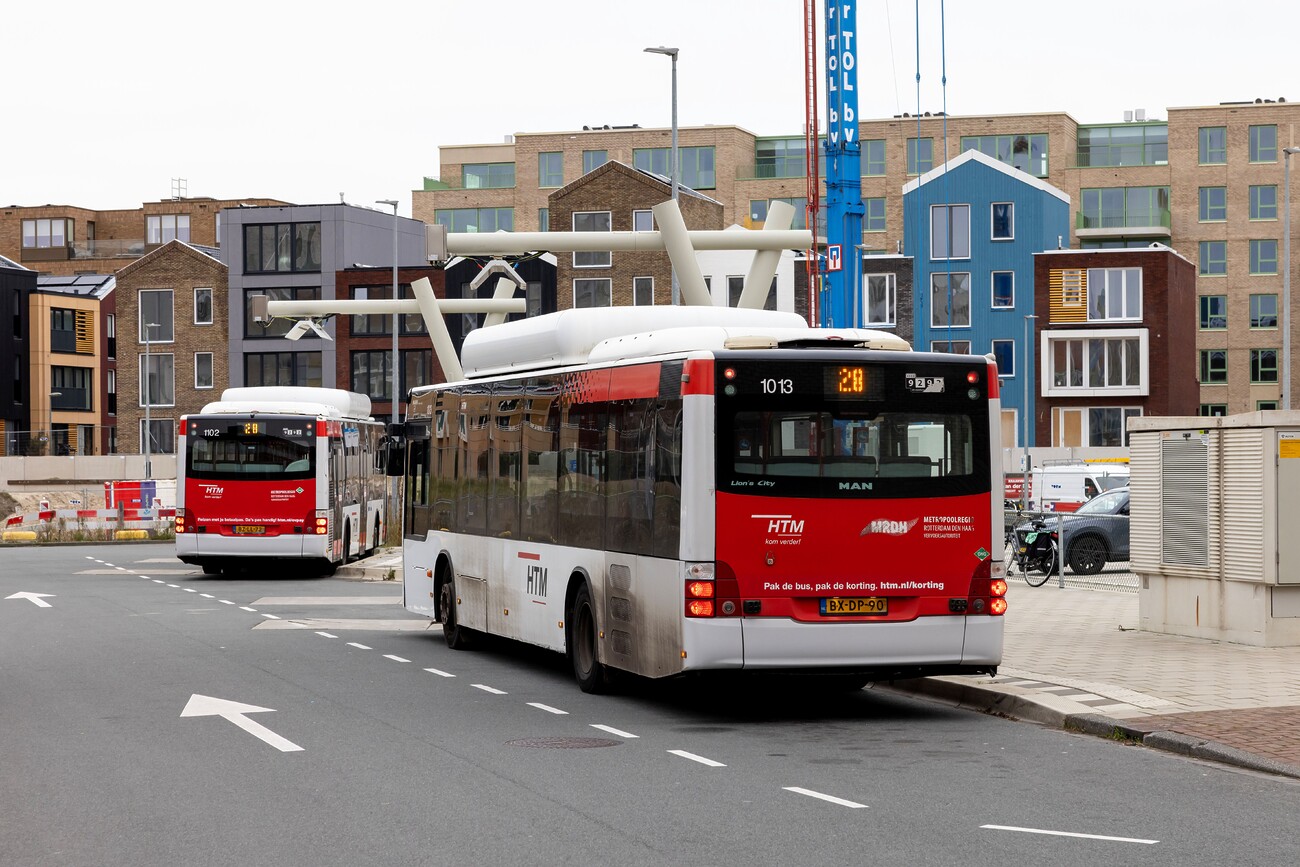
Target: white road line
<point>174,586</point>
<point>154,580</point>
<point>246,608</point>
<point>831,798</point>
<point>269,616</point>
<point>226,602</point>
<point>1069,834</point>
<point>439,672</point>
<point>486,688</point>
<point>710,762</point>
<point>395,658</point>
<point>122,569</point>
<point>618,732</point>
<point>190,590</point>
<point>207,595</point>
<point>358,646</point>
<point>326,635</point>
<point>548,708</point>
<point>88,557</point>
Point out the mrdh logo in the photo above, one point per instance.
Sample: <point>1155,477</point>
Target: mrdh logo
<point>885,527</point>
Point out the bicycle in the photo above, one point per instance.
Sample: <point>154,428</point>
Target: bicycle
<point>1025,554</point>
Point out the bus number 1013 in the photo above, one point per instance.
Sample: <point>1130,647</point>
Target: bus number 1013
<point>777,386</point>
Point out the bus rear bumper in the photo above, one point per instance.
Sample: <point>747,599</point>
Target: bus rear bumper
<point>199,548</point>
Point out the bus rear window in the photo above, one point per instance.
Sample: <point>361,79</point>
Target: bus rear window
<point>227,451</point>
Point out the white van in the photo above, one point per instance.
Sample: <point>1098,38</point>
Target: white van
<point>1066,487</point>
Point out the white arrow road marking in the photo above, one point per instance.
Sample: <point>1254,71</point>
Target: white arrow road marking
<point>831,798</point>
<point>37,599</point>
<point>710,762</point>
<point>206,705</point>
<point>1069,834</point>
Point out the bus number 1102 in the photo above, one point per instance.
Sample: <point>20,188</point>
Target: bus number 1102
<point>777,386</point>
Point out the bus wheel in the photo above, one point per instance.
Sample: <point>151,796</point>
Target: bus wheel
<point>374,538</point>
<point>456,636</point>
<point>210,568</point>
<point>581,642</point>
<point>347,542</point>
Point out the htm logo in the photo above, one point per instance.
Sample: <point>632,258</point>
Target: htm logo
<point>213,490</point>
<point>782,525</point>
<point>537,580</point>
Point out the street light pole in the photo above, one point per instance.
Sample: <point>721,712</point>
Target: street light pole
<point>1029,370</point>
<point>674,169</point>
<point>1286,275</point>
<point>395,496</point>
<point>148,401</point>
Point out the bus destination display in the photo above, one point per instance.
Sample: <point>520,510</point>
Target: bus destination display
<point>827,381</point>
<point>296,430</point>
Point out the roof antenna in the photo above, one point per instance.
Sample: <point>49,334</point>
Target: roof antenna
<point>342,201</point>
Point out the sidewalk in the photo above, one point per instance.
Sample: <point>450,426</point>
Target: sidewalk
<point>1074,658</point>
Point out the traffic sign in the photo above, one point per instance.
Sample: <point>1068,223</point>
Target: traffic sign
<point>833,260</point>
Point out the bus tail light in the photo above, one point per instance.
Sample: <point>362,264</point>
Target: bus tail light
<point>700,590</point>
<point>322,526</point>
<point>988,590</point>
<point>180,521</point>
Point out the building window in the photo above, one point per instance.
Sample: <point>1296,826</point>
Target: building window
<point>873,158</point>
<point>950,231</point>
<point>1263,202</point>
<point>735,285</point>
<point>1263,143</point>
<point>282,368</point>
<point>371,373</point>
<point>488,176</point>
<point>1263,310</point>
<point>110,389</point>
<point>1082,362</point>
<point>417,369</point>
<point>880,291</point>
<point>1213,145</point>
<point>1121,207</point>
<point>203,370</point>
<point>758,210</point>
<point>643,221</point>
<point>156,310</point>
<point>800,205</point>
<point>1213,409</point>
<point>280,326</point>
<point>476,219</point>
<point>1263,365</point>
<point>278,247</point>
<point>161,228</point>
<point>1214,366</point>
<point>45,233</point>
<point>920,155</point>
<point>534,299</point>
<point>1213,205</point>
<point>780,158</point>
<point>592,221</point>
<point>202,306</point>
<point>1124,145</point>
<point>1263,405</point>
<point>953,347</point>
<point>550,169</point>
<point>1025,152</point>
<point>379,324</point>
<point>696,170</point>
<point>1108,425</point>
<point>950,308</point>
<point>1263,256</point>
<point>74,387</point>
<point>1214,312</point>
<point>161,435</point>
<point>592,160</point>
<point>158,380</point>
<point>1004,351</point>
<point>643,290</point>
<point>1214,258</point>
<point>873,217</point>
<point>593,292</point>
<point>543,219</point>
<point>1004,289</point>
<point>1114,293</point>
<point>1004,221</point>
<point>217,215</point>
<point>63,330</point>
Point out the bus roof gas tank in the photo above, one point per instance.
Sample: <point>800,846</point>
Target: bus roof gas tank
<point>323,402</point>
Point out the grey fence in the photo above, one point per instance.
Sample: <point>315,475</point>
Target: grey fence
<point>1115,575</point>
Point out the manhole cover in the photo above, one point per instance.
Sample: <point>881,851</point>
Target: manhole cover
<point>563,743</point>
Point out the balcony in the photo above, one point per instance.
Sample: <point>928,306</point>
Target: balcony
<point>118,248</point>
<point>1110,223</point>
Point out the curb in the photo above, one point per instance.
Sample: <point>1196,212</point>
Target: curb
<point>1059,713</point>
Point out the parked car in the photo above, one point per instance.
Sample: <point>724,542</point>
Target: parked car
<point>1096,534</point>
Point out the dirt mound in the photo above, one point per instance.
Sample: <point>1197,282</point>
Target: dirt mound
<point>24,502</point>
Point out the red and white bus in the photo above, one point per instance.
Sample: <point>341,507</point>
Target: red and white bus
<point>671,490</point>
<point>280,474</point>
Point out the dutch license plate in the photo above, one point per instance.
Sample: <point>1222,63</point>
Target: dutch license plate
<point>846,605</point>
<point>249,530</point>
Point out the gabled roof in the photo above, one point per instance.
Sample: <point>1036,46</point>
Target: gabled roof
<point>651,179</point>
<point>6,262</point>
<point>964,157</point>
<point>207,255</point>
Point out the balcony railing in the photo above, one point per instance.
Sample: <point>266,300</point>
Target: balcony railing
<point>1117,220</point>
<point>117,248</point>
<point>1111,156</point>
<point>433,185</point>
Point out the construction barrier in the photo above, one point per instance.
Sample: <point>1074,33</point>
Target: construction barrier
<point>90,516</point>
<point>122,535</point>
<point>20,535</point>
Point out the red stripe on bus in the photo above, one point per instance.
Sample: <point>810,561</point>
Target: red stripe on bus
<point>994,384</point>
<point>628,383</point>
<point>697,376</point>
<point>321,429</point>
<point>524,555</point>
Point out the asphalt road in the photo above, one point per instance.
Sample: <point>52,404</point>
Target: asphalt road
<point>155,716</point>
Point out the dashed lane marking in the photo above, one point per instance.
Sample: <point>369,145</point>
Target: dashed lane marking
<point>617,732</point>
<point>357,646</point>
<point>395,658</point>
<point>701,759</point>
<point>439,672</point>
<point>326,635</point>
<point>548,708</point>
<point>246,608</point>
<point>824,797</point>
<point>487,688</point>
<point>1069,834</point>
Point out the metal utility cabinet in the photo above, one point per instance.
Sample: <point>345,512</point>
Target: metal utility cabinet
<point>1215,526</point>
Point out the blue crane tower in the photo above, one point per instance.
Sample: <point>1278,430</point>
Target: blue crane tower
<point>839,305</point>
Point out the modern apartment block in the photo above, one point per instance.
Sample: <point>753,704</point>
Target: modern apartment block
<point>72,348</point>
<point>1206,181</point>
<point>68,240</point>
<point>16,286</point>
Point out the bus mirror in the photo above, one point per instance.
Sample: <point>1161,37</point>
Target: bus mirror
<point>395,430</point>
<point>417,430</point>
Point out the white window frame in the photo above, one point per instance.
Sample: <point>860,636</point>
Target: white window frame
<point>161,422</point>
<point>1111,293</point>
<point>636,280</point>
<point>1058,422</point>
<point>212,371</point>
<point>144,392</point>
<point>591,261</point>
<point>643,217</point>
<point>993,303</point>
<point>934,307</point>
<point>609,288</point>
<point>212,300</point>
<point>1048,339</point>
<point>1012,236</point>
<point>948,224</point>
<point>942,346</point>
<point>155,337</point>
<point>891,302</point>
<point>993,351</point>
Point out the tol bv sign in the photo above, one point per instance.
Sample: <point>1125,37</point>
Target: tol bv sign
<point>841,71</point>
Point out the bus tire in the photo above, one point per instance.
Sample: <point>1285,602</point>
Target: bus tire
<point>374,538</point>
<point>457,637</point>
<point>581,643</point>
<point>347,542</point>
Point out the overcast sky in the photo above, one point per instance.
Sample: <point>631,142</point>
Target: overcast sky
<point>301,101</point>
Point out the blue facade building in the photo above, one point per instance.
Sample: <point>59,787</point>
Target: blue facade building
<point>972,227</point>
